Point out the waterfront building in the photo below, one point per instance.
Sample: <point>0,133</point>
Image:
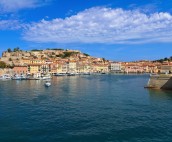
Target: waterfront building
<point>83,68</point>
<point>133,68</point>
<point>166,68</point>
<point>71,66</point>
<point>6,71</point>
<point>20,70</point>
<point>34,68</point>
<point>152,68</point>
<point>45,68</point>
<point>64,68</point>
<point>54,68</point>
<point>115,67</point>
<point>100,68</point>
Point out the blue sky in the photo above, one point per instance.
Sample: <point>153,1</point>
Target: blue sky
<point>121,30</point>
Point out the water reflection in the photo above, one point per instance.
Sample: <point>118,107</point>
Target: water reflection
<point>160,94</point>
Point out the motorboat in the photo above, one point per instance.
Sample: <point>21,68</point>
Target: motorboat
<point>43,77</point>
<point>86,73</point>
<point>60,74</point>
<point>71,74</point>
<point>5,77</point>
<point>16,77</point>
<point>47,84</point>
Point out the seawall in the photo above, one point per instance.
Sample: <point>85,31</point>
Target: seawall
<point>160,82</point>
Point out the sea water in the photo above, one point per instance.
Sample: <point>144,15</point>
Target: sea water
<point>93,108</point>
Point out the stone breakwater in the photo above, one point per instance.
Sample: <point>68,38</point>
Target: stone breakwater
<point>160,82</point>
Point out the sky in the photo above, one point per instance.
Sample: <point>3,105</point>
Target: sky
<point>119,30</point>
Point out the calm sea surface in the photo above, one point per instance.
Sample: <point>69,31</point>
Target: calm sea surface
<point>95,108</point>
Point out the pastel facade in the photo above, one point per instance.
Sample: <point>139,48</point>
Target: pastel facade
<point>71,66</point>
<point>115,67</point>
<point>83,68</point>
<point>166,69</point>
<point>100,68</point>
<point>34,68</point>
<point>20,70</point>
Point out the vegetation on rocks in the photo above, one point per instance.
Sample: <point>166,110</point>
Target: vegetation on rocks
<point>2,64</point>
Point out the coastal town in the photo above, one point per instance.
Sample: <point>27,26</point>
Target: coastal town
<point>37,63</point>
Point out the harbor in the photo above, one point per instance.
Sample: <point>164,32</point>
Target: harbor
<point>79,108</point>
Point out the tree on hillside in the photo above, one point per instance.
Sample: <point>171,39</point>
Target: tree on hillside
<point>2,64</point>
<point>9,50</point>
<point>86,54</point>
<point>103,59</point>
<point>36,50</point>
<point>165,59</point>
<point>16,49</point>
<point>171,58</point>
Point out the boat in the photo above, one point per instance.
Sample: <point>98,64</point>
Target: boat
<point>47,84</point>
<point>23,77</point>
<point>44,77</point>
<point>86,73</point>
<point>60,74</point>
<point>5,77</point>
<point>71,74</point>
<point>103,73</point>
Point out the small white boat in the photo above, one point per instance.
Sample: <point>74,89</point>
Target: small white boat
<point>43,77</point>
<point>16,77</point>
<point>47,83</point>
<point>5,77</point>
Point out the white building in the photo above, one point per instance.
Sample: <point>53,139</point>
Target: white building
<point>115,67</point>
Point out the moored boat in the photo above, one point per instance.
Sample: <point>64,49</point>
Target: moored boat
<point>47,83</point>
<point>5,77</point>
<point>71,74</point>
<point>60,74</point>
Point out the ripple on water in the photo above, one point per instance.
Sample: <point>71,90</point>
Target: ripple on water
<point>103,108</point>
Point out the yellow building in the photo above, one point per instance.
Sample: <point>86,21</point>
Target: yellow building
<point>59,68</point>
<point>100,68</point>
<point>34,68</point>
<point>71,66</point>
<point>83,68</point>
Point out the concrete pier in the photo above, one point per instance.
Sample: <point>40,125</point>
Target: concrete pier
<point>160,82</point>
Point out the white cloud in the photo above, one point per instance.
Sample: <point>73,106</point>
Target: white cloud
<point>15,5</point>
<point>103,25</point>
<point>10,25</point>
